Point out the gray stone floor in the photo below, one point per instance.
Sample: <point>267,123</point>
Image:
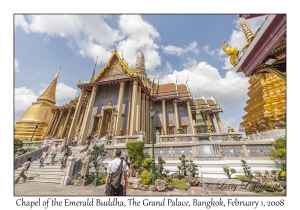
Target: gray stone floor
<point>48,189</point>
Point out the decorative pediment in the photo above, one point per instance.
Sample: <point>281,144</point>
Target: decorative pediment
<point>115,68</point>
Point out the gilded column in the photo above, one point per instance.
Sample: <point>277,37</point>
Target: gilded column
<point>56,124</point>
<point>72,129</point>
<point>219,123</point>
<point>176,115</point>
<point>100,126</point>
<point>147,117</point>
<point>190,117</point>
<point>66,123</point>
<point>133,107</point>
<point>50,125</point>
<point>120,106</point>
<point>164,116</point>
<point>143,119</point>
<point>128,110</point>
<point>87,116</point>
<point>208,120</point>
<point>80,121</point>
<point>212,121</point>
<point>138,110</point>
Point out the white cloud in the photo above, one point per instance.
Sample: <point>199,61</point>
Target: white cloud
<point>23,99</point>
<point>17,66</point>
<point>21,22</point>
<point>230,90</point>
<point>62,91</point>
<point>90,36</point>
<point>208,51</point>
<point>238,39</point>
<point>179,51</point>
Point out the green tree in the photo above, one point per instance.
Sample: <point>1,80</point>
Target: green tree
<point>193,168</point>
<point>227,171</point>
<point>279,151</point>
<point>18,144</point>
<point>184,165</point>
<point>246,169</point>
<point>135,151</point>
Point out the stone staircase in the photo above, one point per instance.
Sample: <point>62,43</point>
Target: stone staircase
<point>49,173</point>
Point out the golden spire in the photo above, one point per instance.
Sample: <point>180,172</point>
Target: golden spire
<point>92,78</point>
<point>115,46</point>
<point>49,93</point>
<point>176,79</point>
<point>248,33</point>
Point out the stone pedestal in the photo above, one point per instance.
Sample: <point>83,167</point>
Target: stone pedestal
<point>206,150</point>
<point>67,178</point>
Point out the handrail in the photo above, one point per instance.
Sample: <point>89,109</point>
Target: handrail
<point>34,155</point>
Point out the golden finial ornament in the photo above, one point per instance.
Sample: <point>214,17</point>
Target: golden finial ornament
<point>115,46</point>
<point>232,52</point>
<point>176,78</point>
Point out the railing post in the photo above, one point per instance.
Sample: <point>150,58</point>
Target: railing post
<point>67,178</point>
<point>63,144</point>
<point>158,140</point>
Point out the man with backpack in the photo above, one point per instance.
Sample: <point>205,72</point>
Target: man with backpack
<point>116,177</point>
<point>67,153</point>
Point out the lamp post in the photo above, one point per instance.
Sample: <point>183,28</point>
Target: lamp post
<point>152,112</point>
<point>36,126</point>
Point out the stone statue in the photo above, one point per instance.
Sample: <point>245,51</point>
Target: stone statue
<point>85,164</point>
<point>159,166</point>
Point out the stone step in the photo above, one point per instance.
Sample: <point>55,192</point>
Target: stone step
<point>45,181</point>
<point>51,171</point>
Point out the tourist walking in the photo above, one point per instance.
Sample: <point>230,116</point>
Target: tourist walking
<point>23,169</point>
<point>116,179</point>
<point>85,149</point>
<point>75,141</point>
<point>95,141</point>
<point>53,153</point>
<point>88,141</point>
<point>43,157</point>
<point>65,157</point>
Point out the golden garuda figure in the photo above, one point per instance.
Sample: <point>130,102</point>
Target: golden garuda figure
<point>232,52</point>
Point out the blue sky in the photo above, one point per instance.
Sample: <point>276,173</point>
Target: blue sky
<point>183,45</point>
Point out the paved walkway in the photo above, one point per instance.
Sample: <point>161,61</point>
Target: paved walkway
<point>49,189</point>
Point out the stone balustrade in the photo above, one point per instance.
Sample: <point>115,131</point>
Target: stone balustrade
<point>34,155</point>
<point>268,135</point>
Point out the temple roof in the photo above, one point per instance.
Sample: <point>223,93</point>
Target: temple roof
<point>269,37</point>
<point>172,91</point>
<point>49,93</point>
<point>205,104</point>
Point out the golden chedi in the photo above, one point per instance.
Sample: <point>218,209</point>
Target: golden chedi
<point>39,113</point>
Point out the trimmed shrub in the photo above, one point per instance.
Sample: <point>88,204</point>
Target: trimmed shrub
<point>146,177</point>
<point>135,151</point>
<point>244,179</point>
<point>283,184</point>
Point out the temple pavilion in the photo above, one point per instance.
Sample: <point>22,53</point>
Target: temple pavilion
<point>117,102</point>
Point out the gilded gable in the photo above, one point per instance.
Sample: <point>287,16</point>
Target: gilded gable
<point>115,72</point>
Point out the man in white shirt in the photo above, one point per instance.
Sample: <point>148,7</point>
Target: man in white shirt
<point>112,168</point>
<point>75,141</point>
